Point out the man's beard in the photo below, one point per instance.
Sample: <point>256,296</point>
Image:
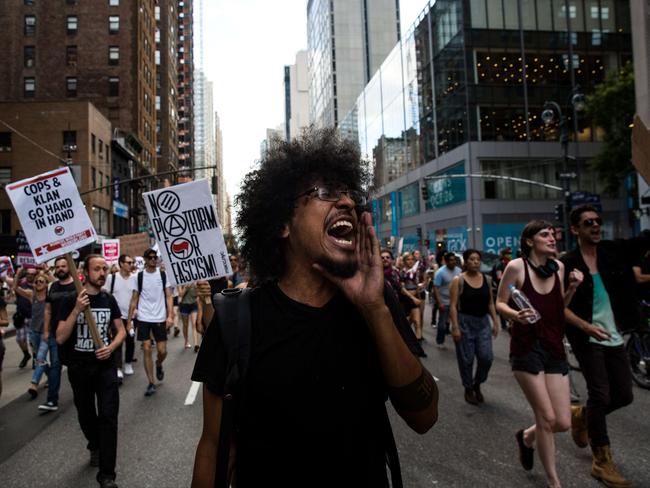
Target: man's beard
<point>345,269</point>
<point>62,275</point>
<point>98,284</point>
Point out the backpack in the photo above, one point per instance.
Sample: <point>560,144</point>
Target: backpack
<point>235,326</point>
<point>141,279</point>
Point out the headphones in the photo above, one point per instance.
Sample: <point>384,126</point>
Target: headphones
<point>545,271</point>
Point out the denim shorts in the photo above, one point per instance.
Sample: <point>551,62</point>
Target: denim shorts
<point>537,360</point>
<point>188,308</point>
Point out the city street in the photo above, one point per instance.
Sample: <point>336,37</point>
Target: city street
<point>468,447</point>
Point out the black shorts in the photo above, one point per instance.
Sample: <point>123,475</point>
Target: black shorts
<point>539,359</point>
<point>188,308</point>
<point>147,329</point>
<point>175,301</point>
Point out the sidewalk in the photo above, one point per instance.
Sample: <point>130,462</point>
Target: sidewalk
<point>10,331</point>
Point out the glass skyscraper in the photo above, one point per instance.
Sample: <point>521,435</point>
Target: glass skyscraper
<point>463,93</point>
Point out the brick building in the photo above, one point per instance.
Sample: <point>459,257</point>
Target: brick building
<point>101,51</point>
<point>68,130</point>
<point>166,86</point>
<point>185,49</point>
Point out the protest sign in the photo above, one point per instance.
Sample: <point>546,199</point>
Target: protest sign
<point>186,228</point>
<point>55,222</point>
<point>111,250</point>
<point>51,213</point>
<point>6,266</point>
<point>24,256</point>
<point>135,244</point>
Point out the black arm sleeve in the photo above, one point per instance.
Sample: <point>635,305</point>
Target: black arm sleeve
<point>210,366</point>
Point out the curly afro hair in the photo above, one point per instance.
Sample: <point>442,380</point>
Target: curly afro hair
<point>268,196</point>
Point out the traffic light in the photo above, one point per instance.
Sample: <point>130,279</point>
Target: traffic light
<point>425,192</point>
<point>559,212</point>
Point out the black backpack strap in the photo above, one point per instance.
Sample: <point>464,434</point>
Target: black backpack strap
<point>392,458</point>
<point>140,279</point>
<point>233,306</point>
<point>112,282</point>
<point>163,276</point>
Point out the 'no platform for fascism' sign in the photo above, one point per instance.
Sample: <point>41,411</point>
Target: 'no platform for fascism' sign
<point>52,214</point>
<point>186,228</point>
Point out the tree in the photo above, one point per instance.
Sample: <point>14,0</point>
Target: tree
<point>612,108</point>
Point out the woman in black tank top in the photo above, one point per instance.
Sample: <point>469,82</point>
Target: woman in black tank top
<point>470,308</point>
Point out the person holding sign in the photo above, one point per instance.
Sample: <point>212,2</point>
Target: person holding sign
<point>92,371</point>
<point>328,343</point>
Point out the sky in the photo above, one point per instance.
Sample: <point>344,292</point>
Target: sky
<point>246,44</point>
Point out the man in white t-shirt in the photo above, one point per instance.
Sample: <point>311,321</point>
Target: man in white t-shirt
<point>152,299</point>
<point>121,286</point>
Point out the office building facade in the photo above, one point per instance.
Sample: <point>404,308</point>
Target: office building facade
<point>296,96</point>
<point>348,40</point>
<point>463,93</point>
<point>185,66</point>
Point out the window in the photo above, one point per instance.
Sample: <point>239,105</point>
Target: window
<point>5,141</point>
<point>113,86</point>
<point>101,178</point>
<point>101,148</point>
<point>30,56</point>
<point>71,86</point>
<point>107,184</point>
<point>93,173</point>
<point>93,143</point>
<point>30,86</point>
<point>70,140</point>
<point>113,24</point>
<point>72,24</point>
<point>30,25</point>
<point>5,176</point>
<point>71,55</point>
<point>113,3</point>
<point>113,55</point>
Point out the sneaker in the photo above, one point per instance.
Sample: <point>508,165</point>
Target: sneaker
<point>176,331</point>
<point>478,394</point>
<point>128,369</point>
<point>107,483</point>
<point>160,374</point>
<point>120,375</point>
<point>151,389</point>
<point>49,407</point>
<point>24,360</point>
<point>94,458</point>
<point>442,347</point>
<point>33,393</point>
<point>470,396</point>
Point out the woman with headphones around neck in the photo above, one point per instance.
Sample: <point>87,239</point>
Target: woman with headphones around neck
<point>536,349</point>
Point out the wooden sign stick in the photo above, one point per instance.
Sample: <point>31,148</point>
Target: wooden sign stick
<point>90,320</point>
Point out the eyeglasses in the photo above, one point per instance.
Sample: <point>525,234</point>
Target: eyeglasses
<point>592,222</point>
<point>335,194</point>
<point>153,256</point>
<point>129,262</point>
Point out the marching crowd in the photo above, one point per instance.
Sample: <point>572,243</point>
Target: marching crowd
<point>333,327</point>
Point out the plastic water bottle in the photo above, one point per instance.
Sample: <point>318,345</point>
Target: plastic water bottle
<point>522,302</point>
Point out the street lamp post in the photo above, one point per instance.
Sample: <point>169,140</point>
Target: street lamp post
<point>576,102</point>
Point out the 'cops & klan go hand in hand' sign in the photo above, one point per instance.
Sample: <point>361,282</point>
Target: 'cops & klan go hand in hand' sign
<point>55,221</point>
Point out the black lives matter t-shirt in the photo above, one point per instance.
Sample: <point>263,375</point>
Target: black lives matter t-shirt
<point>314,408</point>
<point>80,347</point>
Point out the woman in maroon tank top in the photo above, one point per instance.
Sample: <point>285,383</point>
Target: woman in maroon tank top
<point>536,350</point>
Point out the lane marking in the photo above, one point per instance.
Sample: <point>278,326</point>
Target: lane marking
<point>191,395</point>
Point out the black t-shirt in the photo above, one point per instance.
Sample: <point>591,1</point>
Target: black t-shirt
<point>56,295</point>
<point>314,395</point>
<point>79,348</point>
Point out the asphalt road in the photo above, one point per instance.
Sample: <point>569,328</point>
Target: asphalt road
<point>468,447</point>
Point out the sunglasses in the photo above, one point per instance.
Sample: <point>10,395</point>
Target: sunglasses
<point>153,256</point>
<point>129,262</point>
<point>592,222</point>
